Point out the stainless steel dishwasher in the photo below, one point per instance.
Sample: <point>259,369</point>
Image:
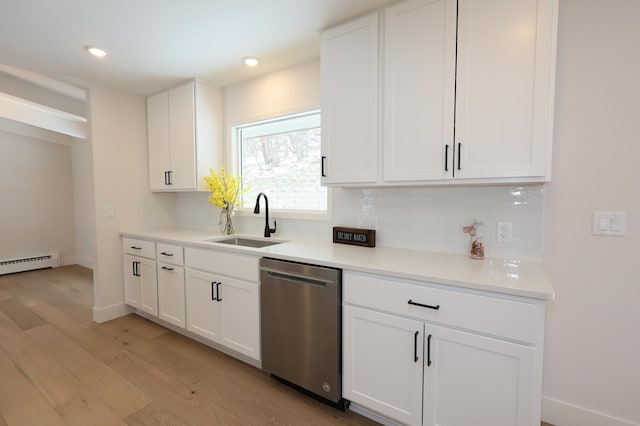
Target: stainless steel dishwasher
<point>301,319</point>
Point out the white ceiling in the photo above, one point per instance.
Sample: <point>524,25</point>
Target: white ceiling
<point>155,44</point>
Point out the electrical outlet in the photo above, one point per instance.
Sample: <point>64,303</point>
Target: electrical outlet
<point>108,210</point>
<point>503,232</point>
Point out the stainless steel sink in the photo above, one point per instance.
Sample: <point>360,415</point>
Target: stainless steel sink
<point>246,242</point>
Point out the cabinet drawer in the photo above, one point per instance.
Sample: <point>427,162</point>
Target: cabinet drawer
<point>170,254</point>
<point>512,319</point>
<point>137,247</point>
<point>219,262</point>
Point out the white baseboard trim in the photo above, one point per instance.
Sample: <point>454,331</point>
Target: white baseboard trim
<point>562,413</point>
<point>108,313</point>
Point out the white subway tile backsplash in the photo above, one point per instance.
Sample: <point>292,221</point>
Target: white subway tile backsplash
<point>426,218</point>
<point>432,218</point>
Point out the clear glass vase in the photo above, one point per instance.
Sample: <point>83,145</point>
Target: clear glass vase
<point>226,222</point>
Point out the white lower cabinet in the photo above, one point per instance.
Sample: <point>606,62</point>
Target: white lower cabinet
<point>171,291</point>
<point>380,370</point>
<point>471,379</point>
<point>224,305</point>
<point>240,317</point>
<point>203,313</point>
<point>171,297</point>
<point>140,283</point>
<point>212,293</point>
<point>413,364</point>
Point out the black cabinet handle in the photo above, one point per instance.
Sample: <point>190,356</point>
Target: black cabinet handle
<point>446,158</point>
<point>136,248</point>
<point>415,346</point>
<point>166,254</point>
<point>213,297</point>
<point>322,166</point>
<point>133,267</point>
<point>136,269</point>
<point>167,268</point>
<point>459,150</point>
<point>218,298</point>
<point>411,302</point>
<point>168,177</point>
<point>429,351</point>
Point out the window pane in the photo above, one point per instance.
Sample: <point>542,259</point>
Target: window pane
<point>282,158</point>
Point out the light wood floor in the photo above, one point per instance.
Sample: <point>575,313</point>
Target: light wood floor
<point>58,367</point>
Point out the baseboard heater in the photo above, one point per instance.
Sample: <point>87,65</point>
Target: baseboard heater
<point>12,266</point>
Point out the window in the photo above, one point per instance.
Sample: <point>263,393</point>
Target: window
<point>281,158</point>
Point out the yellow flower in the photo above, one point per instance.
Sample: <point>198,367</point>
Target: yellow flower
<point>225,188</point>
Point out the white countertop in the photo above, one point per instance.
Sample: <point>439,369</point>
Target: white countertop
<point>505,276</point>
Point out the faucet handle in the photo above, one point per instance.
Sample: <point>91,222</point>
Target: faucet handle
<point>273,230</point>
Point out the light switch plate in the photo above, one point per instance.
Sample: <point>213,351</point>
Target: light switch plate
<point>611,224</point>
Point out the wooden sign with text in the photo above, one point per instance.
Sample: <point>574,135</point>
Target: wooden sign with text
<point>354,236</point>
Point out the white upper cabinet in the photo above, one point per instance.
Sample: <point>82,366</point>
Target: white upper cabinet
<point>468,93</point>
<point>349,69</point>
<point>419,89</point>
<point>505,88</point>
<point>184,136</point>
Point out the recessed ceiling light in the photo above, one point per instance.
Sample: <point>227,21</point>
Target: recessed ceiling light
<point>249,61</point>
<point>96,51</point>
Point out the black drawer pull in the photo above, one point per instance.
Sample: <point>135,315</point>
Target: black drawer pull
<point>411,302</point>
<point>429,351</point>
<point>136,248</point>
<point>167,268</point>
<point>166,254</point>
<point>415,347</point>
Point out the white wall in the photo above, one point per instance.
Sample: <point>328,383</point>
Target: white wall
<point>592,355</point>
<point>120,166</point>
<point>83,203</point>
<point>36,199</point>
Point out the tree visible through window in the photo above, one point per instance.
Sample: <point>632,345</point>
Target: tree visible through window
<point>282,159</point>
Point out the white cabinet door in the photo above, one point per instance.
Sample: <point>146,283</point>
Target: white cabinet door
<point>182,137</point>
<point>203,308</point>
<point>240,323</point>
<point>504,88</point>
<point>184,128</point>
<point>171,294</point>
<point>419,90</point>
<point>474,380</point>
<point>158,140</point>
<point>148,286</point>
<point>132,290</point>
<point>382,362</point>
<point>349,71</point>
<point>140,285</point>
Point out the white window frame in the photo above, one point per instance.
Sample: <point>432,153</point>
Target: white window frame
<point>234,159</point>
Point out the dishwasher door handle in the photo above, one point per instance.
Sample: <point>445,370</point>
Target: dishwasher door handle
<point>297,279</point>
